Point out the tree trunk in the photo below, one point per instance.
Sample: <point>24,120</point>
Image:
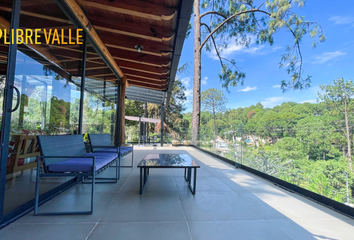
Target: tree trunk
<point>343,150</point>
<point>348,135</point>
<point>197,74</point>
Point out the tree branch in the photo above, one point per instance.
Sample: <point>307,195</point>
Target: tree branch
<point>228,19</point>
<point>213,12</point>
<point>212,38</point>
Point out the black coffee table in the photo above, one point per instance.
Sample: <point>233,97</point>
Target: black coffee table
<point>169,161</point>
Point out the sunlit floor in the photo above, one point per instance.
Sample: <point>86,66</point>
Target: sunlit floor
<point>229,204</point>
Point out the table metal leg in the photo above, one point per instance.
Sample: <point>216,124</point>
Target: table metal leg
<point>141,181</point>
<point>145,176</point>
<point>194,182</point>
<point>189,175</point>
<point>185,174</point>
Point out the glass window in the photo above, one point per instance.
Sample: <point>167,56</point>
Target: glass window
<point>49,97</point>
<point>100,96</point>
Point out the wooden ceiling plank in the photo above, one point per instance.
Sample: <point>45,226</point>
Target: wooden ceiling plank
<point>143,67</point>
<point>139,79</point>
<point>144,31</point>
<point>140,70</point>
<point>140,57</point>
<point>146,86</point>
<point>130,42</point>
<point>75,9</point>
<point>145,75</point>
<point>38,15</point>
<point>132,34</point>
<point>143,9</point>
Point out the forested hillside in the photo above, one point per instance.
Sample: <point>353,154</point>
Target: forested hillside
<point>303,143</point>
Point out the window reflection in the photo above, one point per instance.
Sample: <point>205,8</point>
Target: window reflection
<point>49,101</point>
<point>100,96</point>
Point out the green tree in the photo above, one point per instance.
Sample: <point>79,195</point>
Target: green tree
<point>339,98</point>
<point>241,21</point>
<point>213,101</point>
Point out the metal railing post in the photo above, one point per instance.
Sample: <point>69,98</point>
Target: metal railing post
<point>162,117</point>
<point>82,86</point>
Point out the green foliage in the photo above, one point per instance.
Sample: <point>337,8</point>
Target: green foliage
<point>243,21</point>
<point>213,101</point>
<point>304,144</point>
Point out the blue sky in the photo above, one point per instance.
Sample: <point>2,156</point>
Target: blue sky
<point>329,60</point>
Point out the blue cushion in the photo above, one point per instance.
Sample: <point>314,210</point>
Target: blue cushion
<point>106,150</point>
<point>128,148</point>
<point>123,150</point>
<point>110,154</point>
<point>82,164</point>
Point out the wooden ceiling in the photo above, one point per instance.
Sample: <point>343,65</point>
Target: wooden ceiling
<point>121,25</point>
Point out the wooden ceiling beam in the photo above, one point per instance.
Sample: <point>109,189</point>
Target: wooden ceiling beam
<point>31,3</point>
<point>143,31</point>
<point>156,72</point>
<point>145,85</point>
<point>143,9</point>
<point>139,79</point>
<point>76,10</point>
<point>130,42</point>
<point>144,75</point>
<point>148,82</point>
<point>100,75</point>
<point>39,15</point>
<point>140,62</point>
<point>139,57</point>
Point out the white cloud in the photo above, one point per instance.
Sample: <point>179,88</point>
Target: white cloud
<point>246,89</point>
<point>272,101</point>
<point>204,80</point>
<point>185,81</point>
<point>342,20</point>
<point>276,86</point>
<point>276,48</point>
<point>309,101</point>
<point>327,56</point>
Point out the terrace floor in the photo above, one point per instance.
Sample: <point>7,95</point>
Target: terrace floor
<point>229,204</point>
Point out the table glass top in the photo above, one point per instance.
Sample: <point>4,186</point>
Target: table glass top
<point>167,160</point>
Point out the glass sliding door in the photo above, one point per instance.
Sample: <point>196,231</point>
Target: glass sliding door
<point>48,98</point>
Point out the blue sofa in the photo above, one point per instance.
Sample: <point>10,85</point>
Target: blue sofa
<point>101,143</point>
<point>65,155</point>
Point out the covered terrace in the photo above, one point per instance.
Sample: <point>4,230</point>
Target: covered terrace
<point>229,203</point>
<point>104,52</point>
<point>131,50</point>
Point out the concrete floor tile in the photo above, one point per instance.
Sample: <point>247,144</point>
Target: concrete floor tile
<point>154,183</point>
<point>71,200</point>
<point>213,206</point>
<point>149,207</point>
<point>146,231</point>
<point>204,184</point>
<point>299,229</point>
<point>46,231</point>
<point>243,230</point>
